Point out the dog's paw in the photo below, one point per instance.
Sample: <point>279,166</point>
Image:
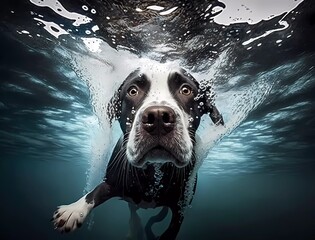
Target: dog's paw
<point>67,218</point>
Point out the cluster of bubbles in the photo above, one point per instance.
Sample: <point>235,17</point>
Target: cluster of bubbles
<point>188,192</point>
<point>157,186</point>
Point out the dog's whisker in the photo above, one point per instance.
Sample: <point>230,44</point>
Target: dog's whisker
<point>121,174</point>
<point>126,174</point>
<point>113,164</point>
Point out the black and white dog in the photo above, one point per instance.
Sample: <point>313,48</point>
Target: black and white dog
<point>153,163</point>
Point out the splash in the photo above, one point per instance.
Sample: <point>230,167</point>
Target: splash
<point>53,28</point>
<point>253,11</point>
<point>57,7</point>
<point>233,156</point>
<point>234,105</point>
<point>283,25</point>
<point>103,69</point>
<point>56,29</point>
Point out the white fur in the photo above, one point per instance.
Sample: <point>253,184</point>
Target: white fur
<point>159,94</point>
<point>72,214</point>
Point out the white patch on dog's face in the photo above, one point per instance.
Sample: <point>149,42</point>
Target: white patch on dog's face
<point>177,146</point>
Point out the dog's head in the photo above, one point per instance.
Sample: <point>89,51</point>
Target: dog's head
<point>159,112</point>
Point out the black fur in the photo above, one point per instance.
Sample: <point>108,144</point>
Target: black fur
<point>135,184</point>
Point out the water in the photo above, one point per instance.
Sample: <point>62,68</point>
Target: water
<point>60,63</point>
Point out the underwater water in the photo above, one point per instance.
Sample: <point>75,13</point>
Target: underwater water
<point>61,61</point>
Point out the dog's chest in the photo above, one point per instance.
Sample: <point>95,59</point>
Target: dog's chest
<point>152,188</point>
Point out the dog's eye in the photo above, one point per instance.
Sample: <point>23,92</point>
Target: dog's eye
<point>185,90</point>
<point>133,91</point>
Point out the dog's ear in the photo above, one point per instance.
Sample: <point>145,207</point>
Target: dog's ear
<point>215,115</point>
<point>115,103</point>
<point>114,107</point>
<point>206,98</point>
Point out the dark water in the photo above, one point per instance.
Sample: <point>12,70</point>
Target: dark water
<point>257,182</point>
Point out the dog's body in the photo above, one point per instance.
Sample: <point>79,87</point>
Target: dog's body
<point>153,164</point>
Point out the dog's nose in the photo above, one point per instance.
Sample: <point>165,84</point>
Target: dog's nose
<point>158,120</point>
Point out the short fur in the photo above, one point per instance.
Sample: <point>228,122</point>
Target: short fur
<point>159,112</point>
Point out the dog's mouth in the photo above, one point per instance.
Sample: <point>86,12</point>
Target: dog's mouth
<point>144,147</point>
<point>159,154</point>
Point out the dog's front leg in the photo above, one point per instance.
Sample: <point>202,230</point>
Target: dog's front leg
<point>176,221</point>
<point>67,218</point>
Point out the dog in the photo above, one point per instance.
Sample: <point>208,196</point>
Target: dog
<point>153,163</point>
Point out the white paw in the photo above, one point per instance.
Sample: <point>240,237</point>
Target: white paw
<point>67,218</point>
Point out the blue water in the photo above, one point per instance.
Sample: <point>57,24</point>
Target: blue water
<point>257,181</point>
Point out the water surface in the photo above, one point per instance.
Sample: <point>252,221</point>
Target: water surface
<point>61,61</point>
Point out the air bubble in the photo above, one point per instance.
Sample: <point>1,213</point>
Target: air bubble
<point>158,174</point>
<point>85,8</point>
<point>93,11</point>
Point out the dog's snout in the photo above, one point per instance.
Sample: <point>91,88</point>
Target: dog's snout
<point>158,120</point>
